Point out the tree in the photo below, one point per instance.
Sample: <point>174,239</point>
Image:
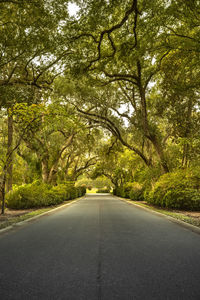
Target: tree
<point>124,55</point>
<point>123,76</point>
<point>30,53</point>
<point>30,47</point>
<point>58,138</point>
<point>115,162</point>
<point>6,160</point>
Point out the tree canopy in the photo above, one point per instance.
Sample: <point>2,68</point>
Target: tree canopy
<point>112,90</point>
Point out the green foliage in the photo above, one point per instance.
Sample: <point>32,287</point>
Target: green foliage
<point>104,190</point>
<point>31,195</point>
<point>117,191</point>
<point>126,189</point>
<point>177,190</point>
<point>137,192</point>
<point>61,191</point>
<point>115,163</point>
<point>99,182</point>
<point>109,56</point>
<point>132,190</point>
<point>147,176</point>
<point>39,195</point>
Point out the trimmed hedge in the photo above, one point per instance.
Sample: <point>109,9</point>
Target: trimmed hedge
<point>132,190</point>
<point>104,190</point>
<point>40,195</point>
<point>137,192</point>
<point>177,190</point>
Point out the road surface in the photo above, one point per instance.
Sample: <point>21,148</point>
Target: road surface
<point>100,248</point>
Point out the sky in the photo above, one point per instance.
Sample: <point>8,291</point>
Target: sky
<point>73,9</point>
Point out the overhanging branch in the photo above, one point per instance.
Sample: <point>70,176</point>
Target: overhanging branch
<point>107,123</point>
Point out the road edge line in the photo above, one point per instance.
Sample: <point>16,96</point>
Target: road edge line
<point>8,228</point>
<point>188,226</point>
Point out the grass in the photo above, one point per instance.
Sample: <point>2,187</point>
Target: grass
<point>177,215</point>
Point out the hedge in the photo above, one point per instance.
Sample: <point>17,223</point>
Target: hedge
<point>103,190</point>
<point>132,190</point>
<point>177,190</point>
<point>40,195</point>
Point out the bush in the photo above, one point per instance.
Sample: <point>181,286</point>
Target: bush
<point>119,191</point>
<point>137,192</point>
<point>123,191</point>
<point>39,195</point>
<point>61,191</point>
<point>104,190</point>
<point>188,199</point>
<point>126,189</point>
<point>132,190</point>
<point>81,190</point>
<point>176,190</point>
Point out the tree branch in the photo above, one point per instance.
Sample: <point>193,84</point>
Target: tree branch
<point>113,128</point>
<point>108,32</point>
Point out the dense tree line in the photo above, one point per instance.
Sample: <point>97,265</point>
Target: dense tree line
<point>112,90</point>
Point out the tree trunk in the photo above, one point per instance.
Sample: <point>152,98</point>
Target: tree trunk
<point>2,191</point>
<point>9,178</point>
<point>52,179</point>
<point>145,124</point>
<point>45,170</point>
<point>160,152</point>
<point>147,132</point>
<point>186,146</point>
<point>185,155</point>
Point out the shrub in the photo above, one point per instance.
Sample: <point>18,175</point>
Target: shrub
<point>126,189</point>
<point>104,190</point>
<point>28,196</point>
<point>182,199</point>
<point>137,192</point>
<point>114,191</point>
<point>81,190</point>
<point>118,191</point>
<point>123,191</point>
<point>176,190</point>
<point>73,192</point>
<point>61,191</point>
<point>38,195</point>
<point>132,190</point>
<point>50,198</point>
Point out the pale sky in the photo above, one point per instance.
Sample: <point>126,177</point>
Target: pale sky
<point>73,9</point>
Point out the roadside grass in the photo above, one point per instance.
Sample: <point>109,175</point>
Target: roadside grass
<point>179,215</point>
<point>174,214</point>
<point>11,220</point>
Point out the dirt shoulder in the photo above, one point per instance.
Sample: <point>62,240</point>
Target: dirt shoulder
<point>13,216</point>
<point>190,217</point>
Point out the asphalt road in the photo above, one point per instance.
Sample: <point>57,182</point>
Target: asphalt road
<point>100,248</point>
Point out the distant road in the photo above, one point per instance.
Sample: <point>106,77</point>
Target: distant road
<point>100,248</point>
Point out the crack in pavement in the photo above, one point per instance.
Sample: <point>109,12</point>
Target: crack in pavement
<point>99,267</point>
